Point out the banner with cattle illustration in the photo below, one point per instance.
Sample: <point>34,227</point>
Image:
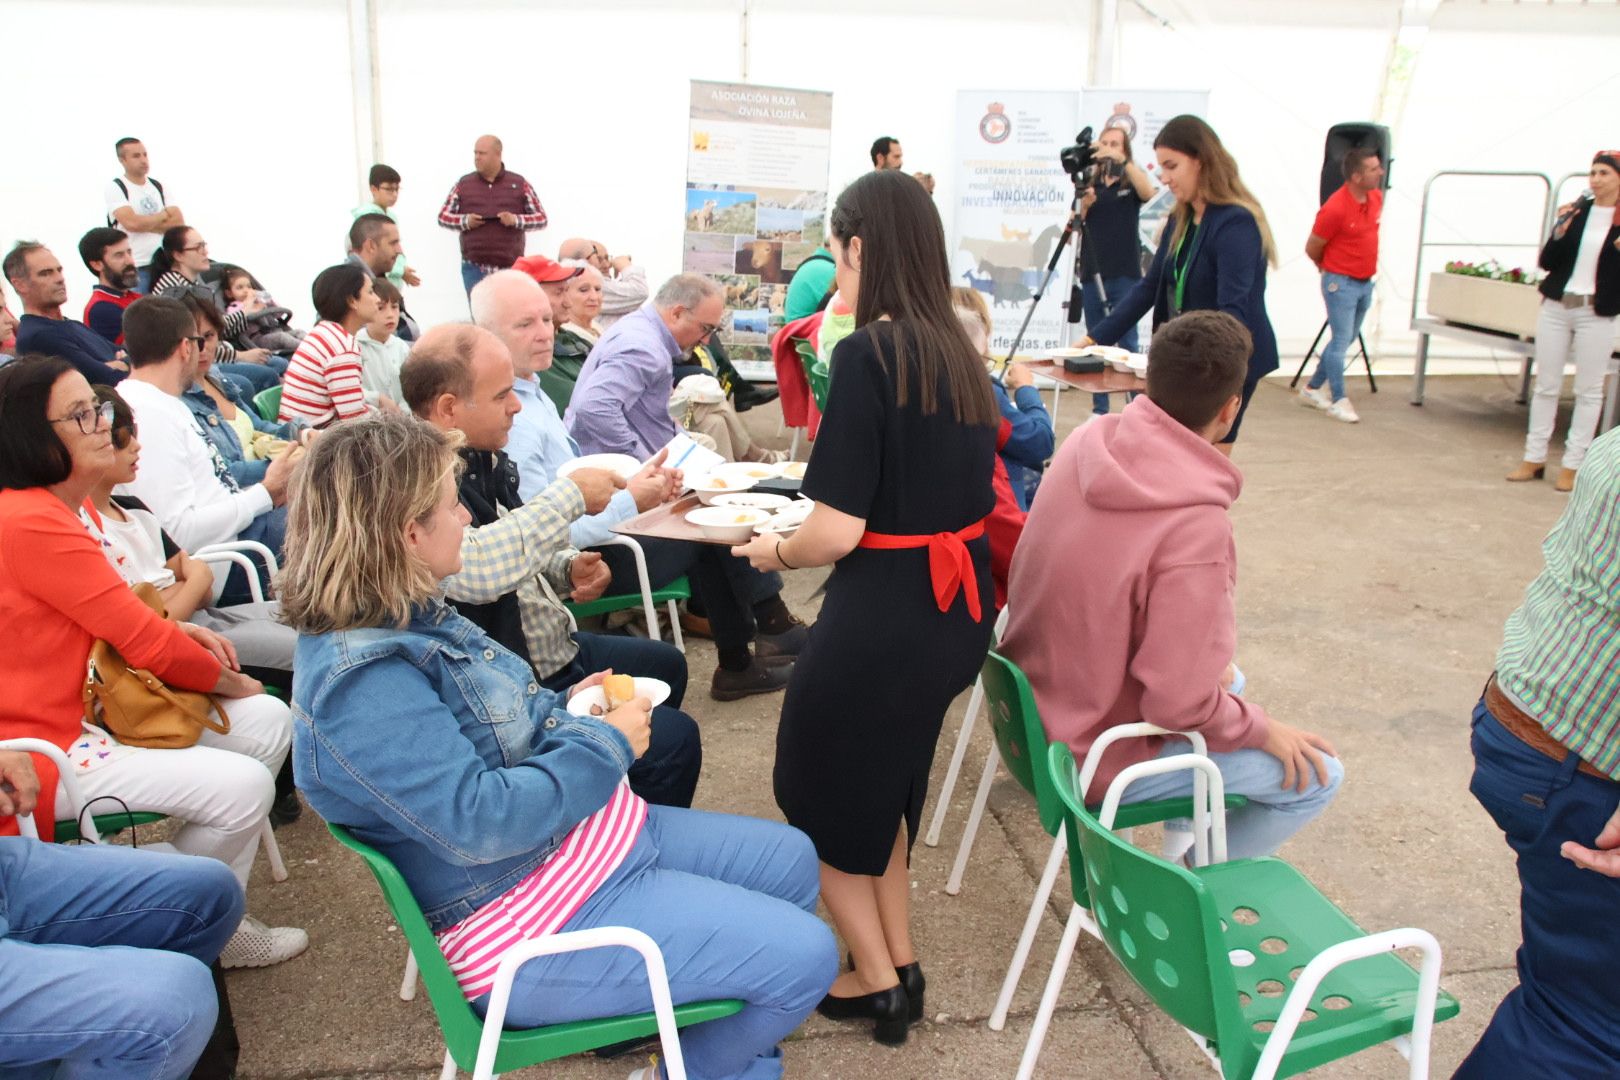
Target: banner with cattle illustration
<point>756,203</point>
<point>1012,201</point>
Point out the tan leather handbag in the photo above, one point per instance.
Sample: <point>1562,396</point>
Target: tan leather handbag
<point>135,705</point>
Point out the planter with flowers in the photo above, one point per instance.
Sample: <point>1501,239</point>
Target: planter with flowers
<point>1487,296</point>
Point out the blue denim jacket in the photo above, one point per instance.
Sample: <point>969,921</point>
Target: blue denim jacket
<point>219,431</point>
<point>439,748</point>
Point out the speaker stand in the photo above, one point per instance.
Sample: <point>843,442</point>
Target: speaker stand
<point>1365,359</point>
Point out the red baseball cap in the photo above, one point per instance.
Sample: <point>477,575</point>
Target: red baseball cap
<point>546,271</point>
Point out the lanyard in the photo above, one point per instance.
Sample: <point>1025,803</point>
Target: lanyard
<point>1178,269</point>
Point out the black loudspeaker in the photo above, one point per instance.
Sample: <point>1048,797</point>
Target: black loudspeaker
<point>1341,139</point>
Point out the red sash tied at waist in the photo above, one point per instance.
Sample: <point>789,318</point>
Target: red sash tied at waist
<point>950,565</point>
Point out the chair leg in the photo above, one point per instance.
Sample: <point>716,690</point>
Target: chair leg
<point>449,1070</point>
<point>793,450</point>
<point>407,985</point>
<point>272,851</point>
<point>953,885</point>
<point>1054,987</point>
<point>965,736</point>
<point>675,626</point>
<point>1032,923</point>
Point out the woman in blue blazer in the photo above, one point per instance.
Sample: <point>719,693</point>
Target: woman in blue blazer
<point>1212,255</point>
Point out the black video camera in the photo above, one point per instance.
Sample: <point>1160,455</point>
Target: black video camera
<point>1077,159</point>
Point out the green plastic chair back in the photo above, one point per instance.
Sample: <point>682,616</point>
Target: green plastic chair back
<point>268,402</point>
<point>677,590</point>
<point>462,1028</point>
<point>1176,932</point>
<point>816,373</point>
<point>1016,725</point>
<point>1155,917</point>
<point>107,824</point>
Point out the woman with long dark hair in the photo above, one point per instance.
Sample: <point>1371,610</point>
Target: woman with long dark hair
<point>177,269</point>
<point>1213,254</point>
<point>901,478</point>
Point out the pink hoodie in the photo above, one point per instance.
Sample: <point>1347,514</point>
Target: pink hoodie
<point>1121,590</point>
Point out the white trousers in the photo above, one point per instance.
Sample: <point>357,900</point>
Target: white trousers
<point>220,788</point>
<point>1560,332</point>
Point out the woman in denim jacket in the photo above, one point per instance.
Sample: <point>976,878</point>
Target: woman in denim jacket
<point>204,401</point>
<point>508,816</point>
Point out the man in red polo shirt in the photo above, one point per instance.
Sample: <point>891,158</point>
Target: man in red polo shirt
<point>108,255</point>
<point>491,208</point>
<point>1344,246</point>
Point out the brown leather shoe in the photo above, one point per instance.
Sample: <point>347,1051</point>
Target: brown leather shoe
<point>1527,470</point>
<point>759,677</point>
<point>1565,481</point>
<point>696,625</point>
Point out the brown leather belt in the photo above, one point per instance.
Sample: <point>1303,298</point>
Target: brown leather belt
<point>1524,727</point>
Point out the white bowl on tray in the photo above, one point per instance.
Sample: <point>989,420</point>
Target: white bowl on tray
<point>727,524</point>
<point>1139,365</point>
<point>752,471</point>
<point>757,500</point>
<point>621,464</point>
<point>712,485</point>
<point>794,470</point>
<point>654,690</point>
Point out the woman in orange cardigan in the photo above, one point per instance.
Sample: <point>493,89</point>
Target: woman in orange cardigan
<point>58,594</point>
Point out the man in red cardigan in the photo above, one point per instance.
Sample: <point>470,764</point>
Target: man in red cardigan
<point>491,208</point>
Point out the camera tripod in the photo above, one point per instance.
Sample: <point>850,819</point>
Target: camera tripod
<point>1366,359</point>
<point>1081,180</point>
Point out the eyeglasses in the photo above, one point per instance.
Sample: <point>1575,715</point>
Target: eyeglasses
<point>709,329</point>
<point>388,187</point>
<point>196,247</point>
<point>199,340</point>
<point>93,415</point>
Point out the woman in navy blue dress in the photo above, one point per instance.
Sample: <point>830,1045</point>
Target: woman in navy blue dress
<point>1212,256</point>
<point>901,477</point>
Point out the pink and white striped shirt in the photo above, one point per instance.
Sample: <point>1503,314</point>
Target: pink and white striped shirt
<point>548,897</point>
<point>322,384</point>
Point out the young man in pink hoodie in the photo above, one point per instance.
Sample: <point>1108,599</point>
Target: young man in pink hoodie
<point>1121,594</point>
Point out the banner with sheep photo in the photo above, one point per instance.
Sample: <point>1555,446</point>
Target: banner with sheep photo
<point>756,203</point>
<point>1012,202</point>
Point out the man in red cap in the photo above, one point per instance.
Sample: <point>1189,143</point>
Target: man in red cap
<point>553,277</point>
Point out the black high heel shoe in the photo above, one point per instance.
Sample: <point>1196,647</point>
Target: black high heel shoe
<point>888,1007</point>
<point>911,977</point>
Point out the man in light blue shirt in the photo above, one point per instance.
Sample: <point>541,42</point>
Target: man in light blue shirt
<point>621,401</point>
<point>743,604</point>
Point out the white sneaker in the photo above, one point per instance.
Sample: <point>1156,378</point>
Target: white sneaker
<point>1315,398</point>
<point>257,945</point>
<point>1343,410</point>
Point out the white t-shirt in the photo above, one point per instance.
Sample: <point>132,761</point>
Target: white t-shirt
<point>180,475</point>
<point>134,546</point>
<point>1583,277</point>
<point>143,199</point>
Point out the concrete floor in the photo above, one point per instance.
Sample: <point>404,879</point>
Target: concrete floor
<point>1378,562</point>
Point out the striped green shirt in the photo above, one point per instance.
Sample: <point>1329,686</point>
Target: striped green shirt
<point>1560,656</point>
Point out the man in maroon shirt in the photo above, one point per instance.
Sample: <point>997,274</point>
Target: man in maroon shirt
<point>1344,246</point>
<point>491,207</point>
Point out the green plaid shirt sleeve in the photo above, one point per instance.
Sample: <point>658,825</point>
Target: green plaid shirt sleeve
<point>498,557</point>
<point>1560,656</point>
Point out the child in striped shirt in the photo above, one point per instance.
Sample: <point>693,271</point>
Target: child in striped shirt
<point>323,384</point>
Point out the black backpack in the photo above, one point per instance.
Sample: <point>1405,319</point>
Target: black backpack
<point>119,180</point>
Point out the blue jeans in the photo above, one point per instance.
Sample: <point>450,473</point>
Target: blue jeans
<point>143,279</point>
<point>667,774</point>
<point>104,955</point>
<point>471,275</point>
<point>269,529</point>
<point>1274,813</point>
<point>1347,302</point>
<point>1563,1019</point>
<point>1091,301</point>
<point>731,902</point>
<point>259,377</point>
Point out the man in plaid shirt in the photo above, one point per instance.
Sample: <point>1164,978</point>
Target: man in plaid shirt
<point>491,208</point>
<point>517,564</point>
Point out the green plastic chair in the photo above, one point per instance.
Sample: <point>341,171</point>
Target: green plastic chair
<point>1217,947</point>
<point>268,402</point>
<point>815,372</point>
<point>647,599</point>
<point>482,1046</point>
<point>1020,745</point>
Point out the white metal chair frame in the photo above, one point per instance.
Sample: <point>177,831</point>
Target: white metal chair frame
<point>236,551</point>
<point>87,827</point>
<point>576,941</point>
<point>648,607</point>
<point>1209,804</point>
